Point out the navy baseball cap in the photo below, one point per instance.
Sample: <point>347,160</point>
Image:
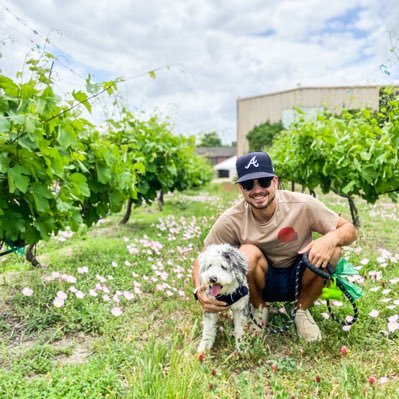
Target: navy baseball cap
<point>254,166</point>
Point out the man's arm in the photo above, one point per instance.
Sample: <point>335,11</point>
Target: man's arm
<point>208,304</point>
<point>322,250</point>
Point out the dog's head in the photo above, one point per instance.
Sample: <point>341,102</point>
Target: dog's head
<point>222,268</point>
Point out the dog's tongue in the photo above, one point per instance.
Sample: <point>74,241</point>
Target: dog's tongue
<point>215,289</point>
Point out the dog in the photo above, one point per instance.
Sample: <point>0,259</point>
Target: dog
<point>223,270</point>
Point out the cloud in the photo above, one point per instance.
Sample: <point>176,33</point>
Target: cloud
<point>217,50</point>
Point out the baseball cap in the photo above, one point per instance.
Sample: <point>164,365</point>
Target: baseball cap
<point>254,165</point>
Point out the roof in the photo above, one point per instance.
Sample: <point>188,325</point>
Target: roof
<point>217,151</point>
<point>301,88</point>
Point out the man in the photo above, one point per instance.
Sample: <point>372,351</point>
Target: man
<point>273,228</point>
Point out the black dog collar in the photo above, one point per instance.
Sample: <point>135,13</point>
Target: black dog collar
<point>239,293</point>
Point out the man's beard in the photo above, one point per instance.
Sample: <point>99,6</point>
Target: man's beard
<point>263,205</point>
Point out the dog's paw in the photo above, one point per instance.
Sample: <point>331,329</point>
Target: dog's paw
<point>204,346</point>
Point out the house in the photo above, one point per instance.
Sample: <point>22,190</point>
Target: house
<point>227,168</point>
<point>217,154</point>
<point>279,106</point>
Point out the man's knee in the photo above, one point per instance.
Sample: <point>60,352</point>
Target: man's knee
<point>257,263</point>
<point>255,257</point>
<point>336,256</point>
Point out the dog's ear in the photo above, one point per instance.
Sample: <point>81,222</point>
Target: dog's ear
<point>238,262</point>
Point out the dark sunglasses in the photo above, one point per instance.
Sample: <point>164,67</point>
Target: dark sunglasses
<point>264,182</point>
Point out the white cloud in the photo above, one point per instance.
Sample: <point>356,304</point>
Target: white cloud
<point>218,50</point>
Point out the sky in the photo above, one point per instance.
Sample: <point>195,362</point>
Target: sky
<point>206,53</point>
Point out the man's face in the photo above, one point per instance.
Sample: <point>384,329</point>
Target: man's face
<point>259,197</point>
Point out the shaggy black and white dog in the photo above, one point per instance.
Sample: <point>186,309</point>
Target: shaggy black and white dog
<point>223,269</point>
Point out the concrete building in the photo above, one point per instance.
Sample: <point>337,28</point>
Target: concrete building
<point>278,106</point>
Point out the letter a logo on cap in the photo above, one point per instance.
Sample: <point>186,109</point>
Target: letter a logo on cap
<point>253,161</point>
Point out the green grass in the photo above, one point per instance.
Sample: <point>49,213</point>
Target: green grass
<point>81,350</point>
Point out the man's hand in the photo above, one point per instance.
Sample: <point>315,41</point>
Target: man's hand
<point>320,250</point>
<point>208,304</point>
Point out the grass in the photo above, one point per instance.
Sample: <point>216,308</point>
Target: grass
<point>143,271</point>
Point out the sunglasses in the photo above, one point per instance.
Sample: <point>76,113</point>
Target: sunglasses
<point>264,182</point>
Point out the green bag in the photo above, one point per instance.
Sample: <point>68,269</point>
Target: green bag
<point>344,268</point>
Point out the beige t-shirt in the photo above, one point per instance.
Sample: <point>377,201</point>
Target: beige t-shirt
<point>288,231</point>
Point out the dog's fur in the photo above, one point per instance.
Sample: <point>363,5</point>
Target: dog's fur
<point>223,269</point>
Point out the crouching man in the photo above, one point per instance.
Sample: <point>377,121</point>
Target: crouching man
<point>273,228</point>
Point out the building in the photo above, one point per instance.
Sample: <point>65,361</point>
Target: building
<point>227,168</point>
<point>217,154</point>
<point>279,106</point>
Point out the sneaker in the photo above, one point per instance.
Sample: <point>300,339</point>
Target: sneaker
<point>259,317</point>
<point>306,327</point>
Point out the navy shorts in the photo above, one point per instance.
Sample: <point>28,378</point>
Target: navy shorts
<point>280,282</point>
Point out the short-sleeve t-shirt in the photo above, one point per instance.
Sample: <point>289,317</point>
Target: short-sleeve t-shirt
<point>289,230</point>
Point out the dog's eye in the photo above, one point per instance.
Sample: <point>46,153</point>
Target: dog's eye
<point>224,267</point>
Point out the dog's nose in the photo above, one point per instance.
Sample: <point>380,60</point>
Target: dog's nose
<point>213,279</point>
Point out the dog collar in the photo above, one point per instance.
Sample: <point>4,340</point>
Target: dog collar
<point>239,293</point>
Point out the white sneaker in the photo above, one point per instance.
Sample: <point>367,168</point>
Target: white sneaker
<point>306,327</point>
<point>259,317</point>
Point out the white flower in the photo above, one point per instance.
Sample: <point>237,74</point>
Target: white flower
<point>114,264</point>
<point>93,293</point>
<point>79,294</point>
<point>83,270</point>
<point>58,302</point>
<point>62,295</point>
<point>393,326</point>
<point>128,295</point>
<point>27,291</point>
<point>375,289</point>
<point>374,313</point>
<point>116,311</point>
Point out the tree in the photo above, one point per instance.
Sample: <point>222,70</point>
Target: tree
<point>55,169</point>
<point>210,139</point>
<point>261,136</point>
<point>351,154</point>
<point>164,161</point>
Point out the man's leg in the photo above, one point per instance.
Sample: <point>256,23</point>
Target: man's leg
<point>257,269</point>
<point>311,289</point>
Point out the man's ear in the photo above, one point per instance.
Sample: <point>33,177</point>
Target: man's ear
<point>275,181</point>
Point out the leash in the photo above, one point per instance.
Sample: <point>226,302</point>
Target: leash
<point>326,276</point>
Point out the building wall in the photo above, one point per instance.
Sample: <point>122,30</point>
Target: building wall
<point>253,111</point>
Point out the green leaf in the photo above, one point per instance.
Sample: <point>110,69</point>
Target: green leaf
<point>9,87</point>
<point>82,98</point>
<point>103,173</point>
<point>17,178</point>
<point>41,195</point>
<point>4,162</point>
<point>152,74</point>
<point>4,124</point>
<point>79,185</point>
<point>66,137</point>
